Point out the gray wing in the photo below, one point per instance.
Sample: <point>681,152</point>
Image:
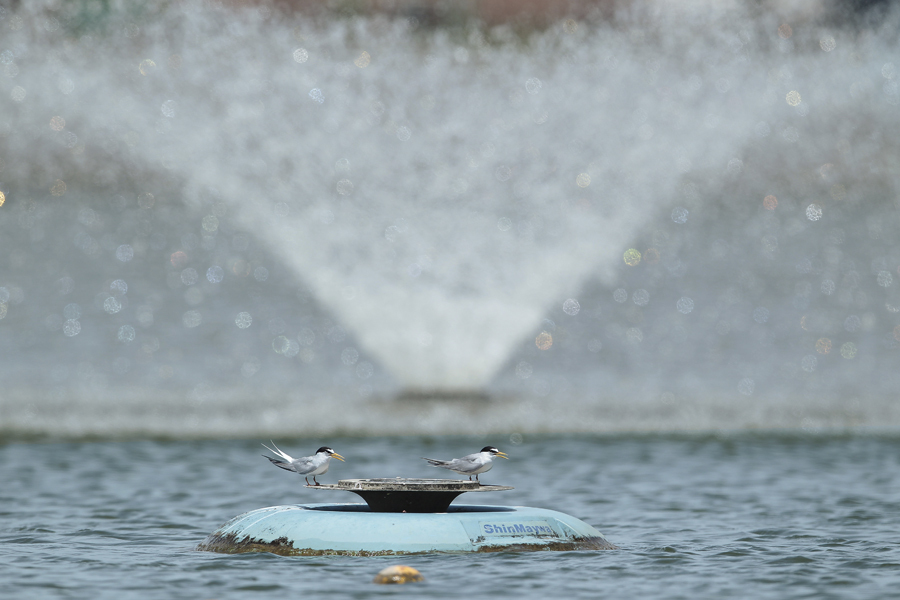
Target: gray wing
<point>465,464</point>
<point>304,465</point>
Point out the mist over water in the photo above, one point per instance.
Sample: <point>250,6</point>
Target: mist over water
<point>678,217</point>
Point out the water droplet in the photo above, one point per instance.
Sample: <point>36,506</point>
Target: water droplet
<point>583,180</point>
<point>344,187</point>
<point>124,253</point>
<point>595,345</point>
<point>126,333</point>
<point>823,345</point>
<point>793,98</point>
<point>533,85</point>
<point>885,279</point>
<point>210,223</point>
<point>364,370</point>
<point>306,337</point>
<point>641,297</point>
<point>301,55</point>
<point>571,307</point>
<point>809,363</point>
<point>191,318</point>
<point>71,328</point>
<point>403,133</point>
<point>316,95</point>
<point>524,370</point>
<point>827,43</point>
<point>680,215</point>
<point>58,188</point>
<point>189,276</point>
<point>146,67</point>
<point>168,108</point>
<point>746,386</point>
<point>363,60</point>
<point>632,257</point>
<point>852,323</point>
<point>112,305</point>
<point>71,311</point>
<point>215,274</point>
<point>543,341</point>
<point>827,287</point>
<point>118,287</point>
<point>684,305</point>
<point>813,212</point>
<point>260,274</point>
<point>504,224</point>
<point>349,356</point>
<point>849,350</point>
<point>243,320</point>
<point>250,367</point>
<point>620,295</point>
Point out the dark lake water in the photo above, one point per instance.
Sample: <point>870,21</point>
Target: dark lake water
<point>744,515</point>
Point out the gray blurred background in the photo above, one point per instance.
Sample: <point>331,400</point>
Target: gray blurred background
<point>264,218</point>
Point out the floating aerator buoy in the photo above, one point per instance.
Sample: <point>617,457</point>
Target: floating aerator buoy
<point>402,516</point>
<point>398,574</point>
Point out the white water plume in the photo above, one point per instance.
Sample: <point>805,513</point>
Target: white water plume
<point>438,189</point>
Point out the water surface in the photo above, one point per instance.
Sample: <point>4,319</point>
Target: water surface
<point>762,516</point>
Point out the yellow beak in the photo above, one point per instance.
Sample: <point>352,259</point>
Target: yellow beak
<point>338,456</point>
<point>502,455</point>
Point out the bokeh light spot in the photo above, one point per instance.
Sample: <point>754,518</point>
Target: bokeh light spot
<point>813,212</point>
<point>58,188</point>
<point>146,66</point>
<point>363,60</point>
<point>57,123</point>
<point>651,256</point>
<point>823,345</point>
<point>632,257</point>
<point>124,253</point>
<point>543,341</point>
<point>770,202</point>
<point>641,297</point>
<point>680,215</point>
<point>571,307</point>
<point>684,305</point>
<point>793,98</point>
<point>243,320</point>
<point>849,350</point>
<point>583,180</point>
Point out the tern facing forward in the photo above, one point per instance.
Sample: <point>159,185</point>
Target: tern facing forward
<point>472,464</point>
<point>316,464</point>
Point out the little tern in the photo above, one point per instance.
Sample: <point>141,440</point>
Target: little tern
<point>316,464</point>
<point>471,464</point>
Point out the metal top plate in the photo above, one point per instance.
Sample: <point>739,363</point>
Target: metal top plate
<point>400,484</point>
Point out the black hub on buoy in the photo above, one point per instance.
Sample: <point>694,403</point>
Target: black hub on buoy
<point>409,495</point>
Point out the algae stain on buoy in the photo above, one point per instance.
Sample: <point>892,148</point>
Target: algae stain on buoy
<point>398,574</point>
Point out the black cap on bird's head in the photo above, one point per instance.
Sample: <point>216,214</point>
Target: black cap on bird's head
<point>330,453</point>
<point>494,451</point>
